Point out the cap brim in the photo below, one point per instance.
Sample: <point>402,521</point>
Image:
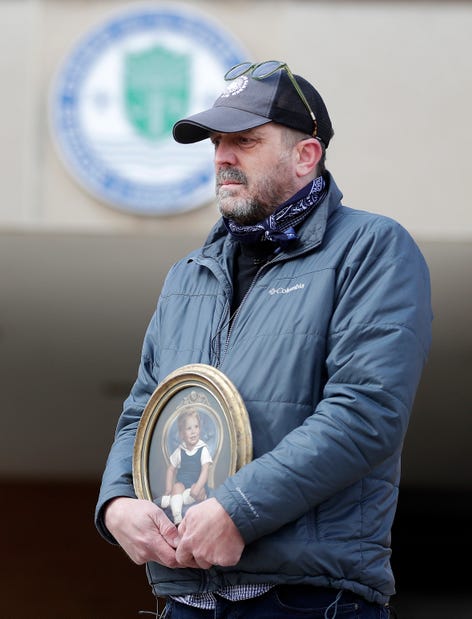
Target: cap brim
<point>215,120</point>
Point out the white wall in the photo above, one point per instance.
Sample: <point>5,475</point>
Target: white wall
<point>395,77</point>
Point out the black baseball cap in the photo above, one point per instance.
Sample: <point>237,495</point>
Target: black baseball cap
<point>247,103</point>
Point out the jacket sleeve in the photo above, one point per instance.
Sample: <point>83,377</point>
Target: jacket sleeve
<point>117,478</point>
<point>377,344</point>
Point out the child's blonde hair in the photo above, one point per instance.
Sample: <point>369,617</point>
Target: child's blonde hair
<point>184,415</point>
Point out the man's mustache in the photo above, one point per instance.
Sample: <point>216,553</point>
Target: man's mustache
<point>230,174</point>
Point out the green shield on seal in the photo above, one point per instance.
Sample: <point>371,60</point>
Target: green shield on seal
<point>156,90</point>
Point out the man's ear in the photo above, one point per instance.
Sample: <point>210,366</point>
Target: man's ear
<point>308,154</point>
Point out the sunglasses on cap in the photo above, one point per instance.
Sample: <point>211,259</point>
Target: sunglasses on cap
<point>261,70</point>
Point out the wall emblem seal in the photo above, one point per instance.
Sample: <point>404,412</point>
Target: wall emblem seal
<point>116,96</point>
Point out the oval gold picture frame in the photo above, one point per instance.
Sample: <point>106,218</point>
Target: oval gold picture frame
<point>224,427</point>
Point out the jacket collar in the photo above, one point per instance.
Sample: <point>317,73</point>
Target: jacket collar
<point>310,233</point>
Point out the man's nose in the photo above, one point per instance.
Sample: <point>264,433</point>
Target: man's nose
<point>224,154</point>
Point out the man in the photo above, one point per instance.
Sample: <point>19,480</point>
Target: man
<point>320,315</point>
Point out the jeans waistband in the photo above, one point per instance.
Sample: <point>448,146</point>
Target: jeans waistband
<point>322,595</point>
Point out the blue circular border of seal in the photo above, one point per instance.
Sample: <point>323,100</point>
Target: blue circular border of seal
<point>90,171</point>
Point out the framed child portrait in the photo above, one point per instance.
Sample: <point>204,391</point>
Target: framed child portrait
<point>193,434</point>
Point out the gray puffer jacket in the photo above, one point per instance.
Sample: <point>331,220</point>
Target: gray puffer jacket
<point>327,350</point>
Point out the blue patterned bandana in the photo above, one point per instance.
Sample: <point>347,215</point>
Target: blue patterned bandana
<point>279,227</point>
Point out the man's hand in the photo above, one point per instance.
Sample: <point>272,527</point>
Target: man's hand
<point>143,531</point>
<point>208,536</point>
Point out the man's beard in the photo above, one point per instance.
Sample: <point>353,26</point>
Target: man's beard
<point>251,209</point>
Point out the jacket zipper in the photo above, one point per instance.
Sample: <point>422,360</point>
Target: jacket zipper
<point>236,313</point>
<point>277,258</point>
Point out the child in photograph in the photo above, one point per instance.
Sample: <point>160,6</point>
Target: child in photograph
<point>187,473</point>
